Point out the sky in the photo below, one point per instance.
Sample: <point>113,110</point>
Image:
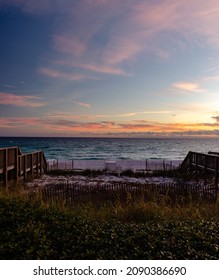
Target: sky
<point>109,68</point>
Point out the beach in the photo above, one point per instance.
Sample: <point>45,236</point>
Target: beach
<point>114,165</point>
<point>107,168</point>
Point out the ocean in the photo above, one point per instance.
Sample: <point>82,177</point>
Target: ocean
<point>112,148</point>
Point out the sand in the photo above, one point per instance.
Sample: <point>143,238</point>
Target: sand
<point>111,166</point>
<point>47,180</point>
<point>114,165</point>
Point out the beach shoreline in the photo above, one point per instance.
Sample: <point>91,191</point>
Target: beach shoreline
<point>110,172</point>
<point>114,165</point>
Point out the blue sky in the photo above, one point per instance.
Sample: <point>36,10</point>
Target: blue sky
<point>109,68</point>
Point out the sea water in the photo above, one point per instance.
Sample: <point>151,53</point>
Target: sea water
<point>112,148</point>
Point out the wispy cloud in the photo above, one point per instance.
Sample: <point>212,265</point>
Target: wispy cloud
<point>128,29</point>
<point>139,128</point>
<point>130,114</point>
<point>82,104</point>
<point>133,127</point>
<point>143,113</point>
<point>52,73</point>
<point>18,122</point>
<point>20,100</point>
<point>69,115</point>
<point>189,87</point>
<point>102,36</point>
<point>212,79</point>
<point>69,45</point>
<point>98,68</point>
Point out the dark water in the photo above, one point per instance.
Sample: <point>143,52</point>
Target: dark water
<point>112,148</point>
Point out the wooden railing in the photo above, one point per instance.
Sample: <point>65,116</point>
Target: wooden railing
<point>209,163</point>
<point>13,164</point>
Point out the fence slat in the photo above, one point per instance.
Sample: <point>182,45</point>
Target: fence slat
<point>174,192</point>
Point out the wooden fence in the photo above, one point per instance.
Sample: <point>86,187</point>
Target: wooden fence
<point>71,194</point>
<point>14,164</point>
<point>116,166</point>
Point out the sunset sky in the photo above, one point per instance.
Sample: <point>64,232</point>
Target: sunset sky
<point>115,68</point>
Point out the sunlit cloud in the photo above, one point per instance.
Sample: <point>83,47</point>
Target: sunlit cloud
<point>20,100</point>
<point>190,87</point>
<point>137,128</point>
<point>17,122</point>
<point>69,125</point>
<point>143,113</point>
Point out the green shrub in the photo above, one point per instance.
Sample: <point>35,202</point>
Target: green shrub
<point>33,230</point>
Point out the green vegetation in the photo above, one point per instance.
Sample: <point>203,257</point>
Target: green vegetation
<point>132,229</point>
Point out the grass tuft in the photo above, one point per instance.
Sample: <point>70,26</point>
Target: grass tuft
<point>127,228</point>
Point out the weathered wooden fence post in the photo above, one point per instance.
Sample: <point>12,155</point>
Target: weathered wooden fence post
<point>41,163</point>
<point>25,167</point>
<point>164,167</point>
<point>196,167</point>
<point>31,167</point>
<point>37,163</point>
<point>72,164</point>
<point>16,166</point>
<point>205,170</point>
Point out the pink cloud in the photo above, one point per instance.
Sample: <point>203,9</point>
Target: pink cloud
<point>128,30</point>
<point>187,86</point>
<point>20,100</point>
<point>122,50</point>
<point>52,73</point>
<point>104,69</point>
<point>98,68</point>
<point>69,45</point>
<point>67,126</point>
<point>191,19</point>
<point>147,26</point>
<point>17,122</point>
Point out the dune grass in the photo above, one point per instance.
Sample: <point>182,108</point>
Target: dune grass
<point>130,229</point>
